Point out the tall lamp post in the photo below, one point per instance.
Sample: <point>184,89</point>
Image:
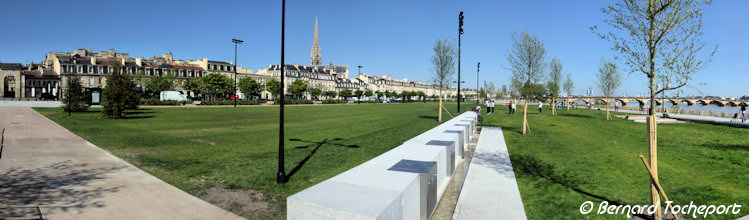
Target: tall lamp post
<point>478,94</point>
<point>281,176</point>
<point>235,41</point>
<point>360,68</point>
<point>460,32</point>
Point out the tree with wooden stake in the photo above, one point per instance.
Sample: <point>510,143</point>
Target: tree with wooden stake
<point>443,70</point>
<point>660,38</point>
<point>555,79</point>
<point>657,184</point>
<point>609,81</point>
<point>526,127</point>
<point>568,87</point>
<point>527,61</point>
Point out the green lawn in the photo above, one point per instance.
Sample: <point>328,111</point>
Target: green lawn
<point>235,149</point>
<point>578,156</point>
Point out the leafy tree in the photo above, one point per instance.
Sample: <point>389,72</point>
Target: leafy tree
<point>609,81</point>
<point>482,93</point>
<point>331,94</point>
<point>161,83</point>
<point>443,67</point>
<point>298,88</point>
<point>118,94</point>
<point>379,94</point>
<point>315,92</point>
<point>274,87</point>
<point>194,85</point>
<point>534,91</point>
<point>422,95</point>
<point>346,93</point>
<point>358,94</point>
<point>215,84</point>
<point>504,90</point>
<point>368,93</point>
<point>527,60</point>
<point>76,101</point>
<point>250,87</point>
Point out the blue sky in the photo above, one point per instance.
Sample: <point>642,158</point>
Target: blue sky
<point>386,37</point>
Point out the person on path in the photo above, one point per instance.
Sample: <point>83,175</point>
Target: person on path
<point>492,106</point>
<point>540,106</point>
<point>665,114</point>
<point>743,113</point>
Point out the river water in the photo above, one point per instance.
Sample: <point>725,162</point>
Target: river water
<point>683,106</point>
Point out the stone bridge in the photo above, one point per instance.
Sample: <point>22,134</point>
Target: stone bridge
<point>623,101</point>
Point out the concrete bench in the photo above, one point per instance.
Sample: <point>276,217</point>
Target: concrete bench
<point>381,188</point>
<point>490,190</point>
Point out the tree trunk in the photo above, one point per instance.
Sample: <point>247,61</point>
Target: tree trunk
<point>568,104</point>
<point>652,132</point>
<point>525,120</point>
<point>553,106</point>
<point>608,115</point>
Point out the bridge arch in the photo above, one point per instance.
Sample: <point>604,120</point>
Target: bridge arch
<point>701,102</point>
<point>689,102</point>
<point>716,102</point>
<point>623,102</point>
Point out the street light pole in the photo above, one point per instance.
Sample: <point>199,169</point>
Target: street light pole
<point>360,69</point>
<point>460,32</point>
<point>281,176</point>
<point>478,95</point>
<point>235,41</point>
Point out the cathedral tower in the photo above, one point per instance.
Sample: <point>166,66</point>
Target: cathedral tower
<point>315,56</point>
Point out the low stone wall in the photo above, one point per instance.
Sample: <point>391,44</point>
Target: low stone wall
<point>403,183</point>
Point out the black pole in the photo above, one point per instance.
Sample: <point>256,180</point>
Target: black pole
<point>235,72</point>
<point>478,94</point>
<point>70,75</point>
<point>281,177</point>
<point>460,32</point>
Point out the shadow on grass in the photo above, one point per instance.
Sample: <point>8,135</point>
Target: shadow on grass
<point>428,117</point>
<point>578,116</point>
<point>317,145</point>
<point>53,187</point>
<point>718,146</point>
<point>532,167</point>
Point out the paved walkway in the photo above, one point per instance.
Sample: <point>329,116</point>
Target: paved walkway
<point>698,118</point>
<point>490,190</point>
<point>44,165</point>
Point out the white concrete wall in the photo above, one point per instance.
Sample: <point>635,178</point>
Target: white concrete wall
<point>371,191</point>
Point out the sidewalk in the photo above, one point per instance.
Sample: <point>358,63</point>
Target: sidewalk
<point>46,166</point>
<point>490,190</point>
<point>697,118</point>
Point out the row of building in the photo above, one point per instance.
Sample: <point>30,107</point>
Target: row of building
<point>50,78</point>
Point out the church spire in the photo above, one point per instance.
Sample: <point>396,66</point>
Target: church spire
<point>315,56</point>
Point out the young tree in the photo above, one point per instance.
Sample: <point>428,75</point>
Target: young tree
<point>555,79</point>
<point>73,99</point>
<point>379,94</point>
<point>368,93</point>
<point>504,91</point>
<point>250,87</point>
<point>274,87</point>
<point>217,84</point>
<point>568,87</point>
<point>118,94</point>
<point>443,69</point>
<point>422,95</point>
<point>658,38</point>
<point>609,81</point>
<point>298,88</point>
<point>527,60</point>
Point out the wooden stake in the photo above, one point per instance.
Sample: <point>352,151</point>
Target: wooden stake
<point>657,184</point>
<point>553,106</point>
<point>448,111</point>
<point>652,145</point>
<point>568,104</point>
<point>525,119</point>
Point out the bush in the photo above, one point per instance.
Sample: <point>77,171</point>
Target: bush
<point>333,101</point>
<point>293,102</point>
<point>230,102</point>
<point>160,102</point>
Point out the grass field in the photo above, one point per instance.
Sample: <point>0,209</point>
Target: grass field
<point>578,156</point>
<point>223,154</point>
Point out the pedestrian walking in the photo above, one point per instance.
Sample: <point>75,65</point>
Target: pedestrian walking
<point>492,106</point>
<point>488,106</point>
<point>540,106</point>
<point>743,113</point>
